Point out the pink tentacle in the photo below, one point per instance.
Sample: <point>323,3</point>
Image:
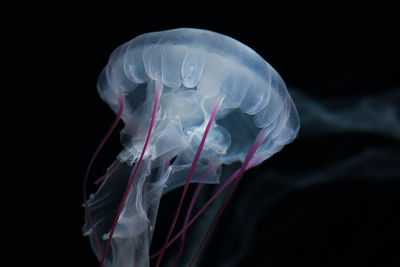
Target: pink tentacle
<point>187,217</point>
<point>259,140</point>
<point>86,177</point>
<point>195,160</point>
<point>158,91</point>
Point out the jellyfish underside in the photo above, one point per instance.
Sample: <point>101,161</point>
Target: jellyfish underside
<point>192,101</point>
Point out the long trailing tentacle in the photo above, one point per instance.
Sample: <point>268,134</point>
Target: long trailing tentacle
<point>250,163</point>
<point>202,209</point>
<point>259,140</point>
<point>187,217</point>
<point>194,163</point>
<point>86,177</point>
<point>157,95</point>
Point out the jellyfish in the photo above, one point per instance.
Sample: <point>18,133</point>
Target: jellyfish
<point>193,102</point>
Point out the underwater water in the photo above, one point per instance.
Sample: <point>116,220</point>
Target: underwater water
<point>330,198</point>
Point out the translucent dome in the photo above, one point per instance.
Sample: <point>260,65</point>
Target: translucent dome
<point>192,101</point>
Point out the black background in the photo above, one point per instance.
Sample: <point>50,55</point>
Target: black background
<point>324,52</point>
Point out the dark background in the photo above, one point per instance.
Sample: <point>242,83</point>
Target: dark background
<point>325,53</point>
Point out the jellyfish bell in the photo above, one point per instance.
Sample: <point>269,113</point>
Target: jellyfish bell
<point>192,101</point>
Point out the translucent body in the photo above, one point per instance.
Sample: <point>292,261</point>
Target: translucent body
<point>195,68</point>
